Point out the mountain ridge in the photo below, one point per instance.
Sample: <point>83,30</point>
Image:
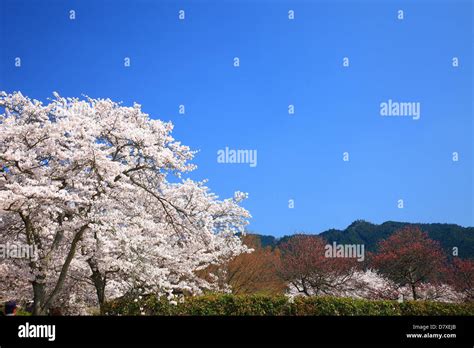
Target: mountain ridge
<point>369,234</point>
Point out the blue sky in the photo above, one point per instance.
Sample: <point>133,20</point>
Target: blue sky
<point>282,62</point>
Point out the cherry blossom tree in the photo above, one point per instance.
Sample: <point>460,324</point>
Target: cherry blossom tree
<point>462,277</point>
<point>87,183</point>
<point>410,258</point>
<point>306,268</point>
<point>369,284</point>
<point>170,261</point>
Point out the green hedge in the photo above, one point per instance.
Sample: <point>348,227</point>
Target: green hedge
<point>280,305</point>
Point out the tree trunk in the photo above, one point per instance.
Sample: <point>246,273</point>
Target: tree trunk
<point>99,284</point>
<point>39,297</point>
<point>65,267</point>
<point>413,290</point>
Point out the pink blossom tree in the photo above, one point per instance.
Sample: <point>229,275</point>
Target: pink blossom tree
<point>86,182</point>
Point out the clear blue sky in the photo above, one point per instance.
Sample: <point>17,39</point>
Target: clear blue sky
<point>283,62</point>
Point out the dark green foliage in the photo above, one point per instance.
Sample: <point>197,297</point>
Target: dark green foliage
<point>256,305</point>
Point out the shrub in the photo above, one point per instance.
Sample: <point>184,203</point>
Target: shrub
<point>259,305</point>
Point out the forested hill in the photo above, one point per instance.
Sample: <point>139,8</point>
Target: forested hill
<point>363,232</point>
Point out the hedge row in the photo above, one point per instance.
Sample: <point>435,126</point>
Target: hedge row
<point>279,305</point>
